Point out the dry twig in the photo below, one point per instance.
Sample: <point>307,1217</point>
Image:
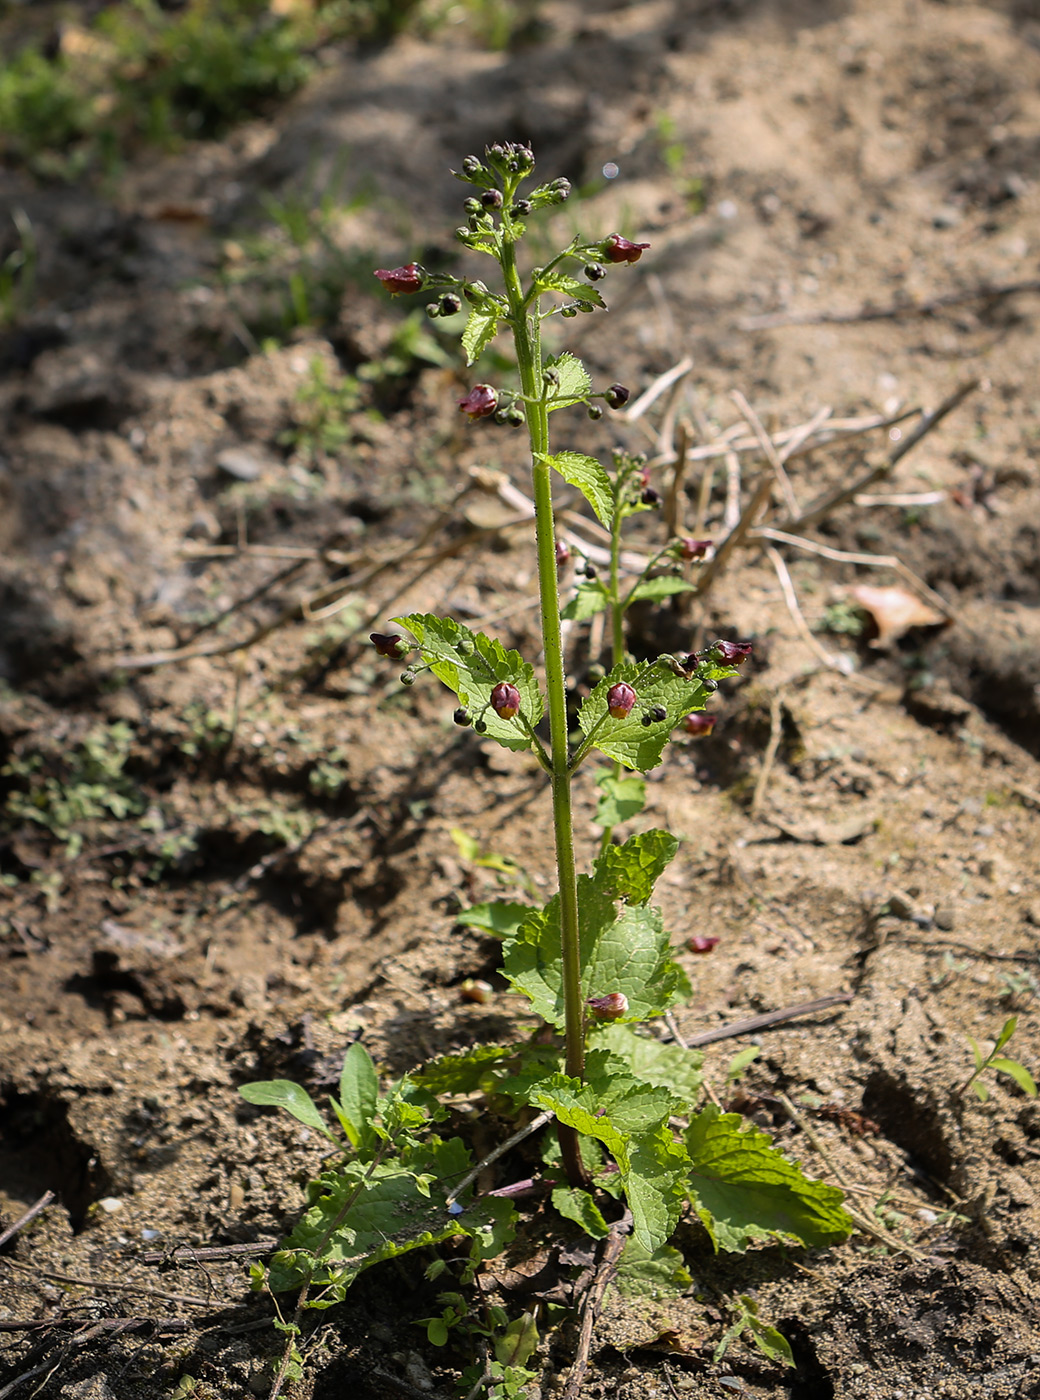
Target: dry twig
<point>605,1271</point>
<point>31,1214</point>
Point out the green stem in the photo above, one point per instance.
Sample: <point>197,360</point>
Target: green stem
<point>527,336</point>
<point>617,618</point>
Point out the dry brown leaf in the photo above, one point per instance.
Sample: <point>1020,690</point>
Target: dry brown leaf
<point>895,611</point>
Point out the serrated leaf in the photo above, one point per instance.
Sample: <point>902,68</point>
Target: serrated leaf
<point>472,664</point>
<point>573,380</point>
<point>652,1062</point>
<point>556,281</point>
<point>660,1273</point>
<point>590,599</point>
<point>589,476</point>
<point>283,1093</point>
<point>622,950</point>
<point>488,1069</point>
<point>358,1096</point>
<point>577,1205</point>
<point>1017,1072</point>
<point>479,331</point>
<point>501,917</point>
<point>620,800</point>
<point>652,590</point>
<point>628,740</point>
<point>743,1189</point>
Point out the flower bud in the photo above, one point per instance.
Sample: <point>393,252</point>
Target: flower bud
<point>398,280</point>
<point>591,571</point>
<point>389,644</point>
<point>701,943</point>
<point>617,395</point>
<point>595,673</point>
<point>568,312</point>
<point>610,1007</point>
<point>595,271</point>
<point>620,699</point>
<point>461,716</point>
<point>480,726</point>
<point>563,553</point>
<point>476,293</point>
<point>551,376</point>
<point>491,199</point>
<point>651,498</point>
<point>505,700</point>
<point>480,402</point>
<point>471,206</point>
<point>620,250</point>
<point>729,653</point>
<point>472,167</point>
<point>699,726</point>
<point>515,416</point>
<point>450,304</point>
<point>646,721</point>
<point>658,714</point>
<point>595,412</point>
<point>433,309</point>
<point>407,677</point>
<point>693,549</point>
<point>521,209</point>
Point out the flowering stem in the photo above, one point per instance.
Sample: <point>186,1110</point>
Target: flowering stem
<point>527,337</point>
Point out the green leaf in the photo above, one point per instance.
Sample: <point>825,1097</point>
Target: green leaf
<point>658,1273</point>
<point>556,281</point>
<point>981,1092</point>
<point>1018,1073</point>
<point>518,1342</point>
<point>590,599</point>
<point>479,331</point>
<point>628,740</point>
<point>501,917</point>
<point>620,800</point>
<point>283,1093</point>
<point>740,1062</point>
<point>437,1332</point>
<point>663,1066</point>
<point>622,949</point>
<point>472,664</point>
<point>577,1205</point>
<point>574,380</point>
<point>980,1059</point>
<point>589,476</point>
<point>743,1189</point>
<point>358,1096</point>
<point>652,590</point>
<point>489,1069</point>
<point>1008,1030</point>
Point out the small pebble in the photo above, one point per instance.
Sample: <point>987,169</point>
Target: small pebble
<point>110,1204</point>
<point>945,918</point>
<point>239,462</point>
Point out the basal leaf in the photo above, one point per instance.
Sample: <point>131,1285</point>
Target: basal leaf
<point>472,664</point>
<point>589,476</point>
<point>358,1095</point>
<point>652,1062</point>
<point>620,799</point>
<point>628,740</point>
<point>501,917</point>
<point>590,599</point>
<point>283,1093</point>
<point>660,1273</point>
<point>652,590</point>
<point>743,1189</point>
<point>479,331</point>
<point>622,949</point>
<point>577,1205</point>
<point>573,380</point>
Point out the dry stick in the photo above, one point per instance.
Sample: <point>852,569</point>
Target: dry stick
<point>768,1018</point>
<point>503,1147</point>
<point>797,617</point>
<point>776,729</point>
<point>839,430</point>
<point>766,443</point>
<point>79,1340</point>
<point>660,385</point>
<point>863,1222</point>
<point>282,576</point>
<point>675,499</point>
<point>605,1271</point>
<point>208,1252</point>
<point>824,507</point>
<point>985,291</point>
<point>714,567</point>
<point>102,1286</point>
<point>30,1214</point>
<point>731,510</point>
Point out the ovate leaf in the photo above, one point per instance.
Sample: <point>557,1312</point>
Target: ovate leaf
<point>658,1273</point>
<point>1017,1072</point>
<point>589,599</point>
<point>620,800</point>
<point>663,1066</point>
<point>652,590</point>
<point>577,1205</point>
<point>743,1189</point>
<point>556,281</point>
<point>472,664</point>
<point>479,332</point>
<point>358,1096</point>
<point>573,380</point>
<point>501,917</point>
<point>628,740</point>
<point>283,1093</point>
<point>589,476</point>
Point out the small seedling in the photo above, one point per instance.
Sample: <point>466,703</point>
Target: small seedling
<point>746,1322</point>
<point>998,1062</point>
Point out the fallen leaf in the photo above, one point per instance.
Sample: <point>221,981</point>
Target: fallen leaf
<point>895,611</point>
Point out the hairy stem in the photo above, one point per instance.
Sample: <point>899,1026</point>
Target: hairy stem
<point>527,336</point>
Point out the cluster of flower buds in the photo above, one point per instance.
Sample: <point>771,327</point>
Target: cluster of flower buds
<point>610,1007</point>
<point>399,281</point>
<point>657,714</point>
<point>620,699</point>
<point>545,196</point>
<point>510,157</point>
<point>390,645</point>
<point>449,305</point>
<point>505,700</point>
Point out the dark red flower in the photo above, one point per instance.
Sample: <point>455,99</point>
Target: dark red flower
<point>620,250</point>
<point>620,699</point>
<point>505,700</point>
<point>617,395</point>
<point>480,402</point>
<point>701,943</point>
<point>693,549</point>
<point>730,653</point>
<point>396,280</point>
<point>389,644</point>
<point>700,726</point>
<point>610,1007</point>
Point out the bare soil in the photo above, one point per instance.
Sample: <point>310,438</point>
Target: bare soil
<point>285,880</point>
